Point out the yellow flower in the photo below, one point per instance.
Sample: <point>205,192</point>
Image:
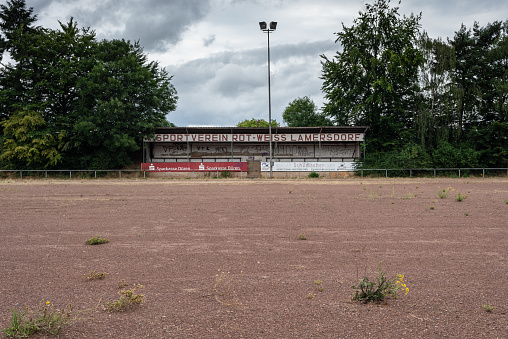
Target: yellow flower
<point>398,282</point>
<point>48,302</point>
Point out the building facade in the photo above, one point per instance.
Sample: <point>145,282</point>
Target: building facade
<point>294,149</point>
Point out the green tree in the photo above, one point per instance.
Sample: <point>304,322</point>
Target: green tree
<point>372,81</point>
<point>481,80</point>
<point>123,98</point>
<point>436,113</point>
<point>303,112</point>
<point>15,21</point>
<point>256,123</point>
<point>100,98</point>
<point>27,143</point>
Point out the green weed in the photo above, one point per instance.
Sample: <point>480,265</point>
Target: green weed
<point>313,175</point>
<point>460,197</point>
<point>301,237</point>
<point>488,308</point>
<point>443,193</point>
<point>128,299</point>
<point>369,291</point>
<point>96,240</point>
<point>94,275</point>
<point>318,285</point>
<point>45,320</point>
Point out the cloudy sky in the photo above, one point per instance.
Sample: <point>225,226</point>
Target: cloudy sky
<point>218,56</point>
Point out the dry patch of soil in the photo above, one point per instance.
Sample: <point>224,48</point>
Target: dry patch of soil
<point>175,236</point>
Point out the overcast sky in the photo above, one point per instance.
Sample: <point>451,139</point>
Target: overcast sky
<point>218,56</point>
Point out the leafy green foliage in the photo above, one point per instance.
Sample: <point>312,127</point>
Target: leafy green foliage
<point>364,83</point>
<point>28,143</point>
<point>97,98</point>
<point>45,319</point>
<point>256,123</point>
<point>313,175</point>
<point>370,291</point>
<point>96,240</point>
<point>450,96</point>
<point>413,155</point>
<point>303,112</point>
<point>128,299</point>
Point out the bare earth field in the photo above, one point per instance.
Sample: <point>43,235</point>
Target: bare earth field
<point>174,236</point>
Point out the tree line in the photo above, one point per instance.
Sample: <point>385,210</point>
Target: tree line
<point>428,102</point>
<point>68,100</point>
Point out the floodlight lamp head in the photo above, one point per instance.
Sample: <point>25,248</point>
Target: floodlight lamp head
<point>262,25</point>
<point>273,25</point>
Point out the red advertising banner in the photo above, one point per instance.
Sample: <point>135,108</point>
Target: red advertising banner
<point>194,166</point>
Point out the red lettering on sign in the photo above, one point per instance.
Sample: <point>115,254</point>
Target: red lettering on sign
<point>350,137</point>
<point>165,137</point>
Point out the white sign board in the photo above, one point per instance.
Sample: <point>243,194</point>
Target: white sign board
<point>302,137</point>
<point>308,166</point>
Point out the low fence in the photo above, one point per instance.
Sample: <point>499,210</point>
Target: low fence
<point>459,172</point>
<point>136,173</point>
<point>95,174</point>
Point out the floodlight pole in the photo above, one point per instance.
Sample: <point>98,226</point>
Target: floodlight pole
<point>265,29</point>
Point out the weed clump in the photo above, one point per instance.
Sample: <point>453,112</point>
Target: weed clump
<point>96,240</point>
<point>443,193</point>
<point>369,291</point>
<point>313,175</point>
<point>460,197</point>
<point>94,275</point>
<point>488,308</point>
<point>45,320</point>
<point>128,299</point>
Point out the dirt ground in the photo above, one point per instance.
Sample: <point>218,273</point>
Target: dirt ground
<point>222,258</point>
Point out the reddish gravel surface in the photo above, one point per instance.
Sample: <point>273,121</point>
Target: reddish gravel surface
<point>174,236</point>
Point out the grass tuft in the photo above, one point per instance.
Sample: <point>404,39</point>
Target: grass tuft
<point>96,240</point>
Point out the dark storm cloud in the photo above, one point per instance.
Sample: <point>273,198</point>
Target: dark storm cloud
<point>156,23</point>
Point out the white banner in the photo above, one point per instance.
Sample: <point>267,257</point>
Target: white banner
<point>301,137</point>
<point>308,166</point>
